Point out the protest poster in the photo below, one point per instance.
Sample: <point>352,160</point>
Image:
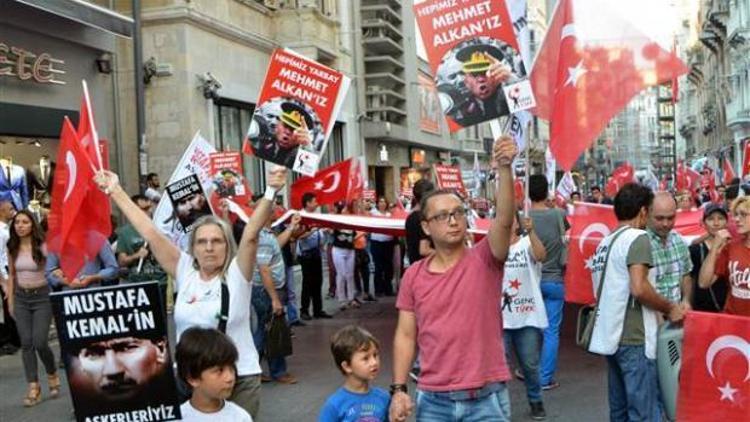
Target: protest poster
<point>449,177</point>
<point>429,105</point>
<point>114,343</point>
<point>189,201</point>
<point>195,160</point>
<point>228,177</point>
<point>473,54</point>
<point>296,111</point>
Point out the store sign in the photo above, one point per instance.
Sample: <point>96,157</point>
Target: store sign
<point>25,65</point>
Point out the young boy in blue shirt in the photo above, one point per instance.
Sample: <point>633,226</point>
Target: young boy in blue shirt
<point>356,353</point>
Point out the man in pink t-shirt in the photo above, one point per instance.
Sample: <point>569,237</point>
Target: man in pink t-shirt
<point>448,306</point>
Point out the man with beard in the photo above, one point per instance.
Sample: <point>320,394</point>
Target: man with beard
<point>120,373</point>
<point>278,141</point>
<point>482,98</point>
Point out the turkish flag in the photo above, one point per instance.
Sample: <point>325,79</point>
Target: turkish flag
<point>589,224</point>
<point>715,368</point>
<point>339,182</point>
<point>70,219</point>
<point>687,178</point>
<point>519,191</point>
<point>728,169</point>
<point>591,64</point>
<point>746,160</point>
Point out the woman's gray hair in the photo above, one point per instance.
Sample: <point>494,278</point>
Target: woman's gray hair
<point>226,229</point>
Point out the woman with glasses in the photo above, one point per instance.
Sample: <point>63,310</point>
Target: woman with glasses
<point>729,259</point>
<point>28,300</point>
<point>213,259</point>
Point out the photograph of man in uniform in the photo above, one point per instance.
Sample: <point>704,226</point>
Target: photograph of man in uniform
<point>278,130</point>
<point>470,80</point>
<point>120,373</point>
<point>228,184</point>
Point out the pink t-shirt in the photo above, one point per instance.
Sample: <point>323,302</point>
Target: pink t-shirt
<point>459,326</point>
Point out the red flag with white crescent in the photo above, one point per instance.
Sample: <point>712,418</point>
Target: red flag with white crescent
<point>339,182</point>
<point>715,368</point>
<point>590,223</point>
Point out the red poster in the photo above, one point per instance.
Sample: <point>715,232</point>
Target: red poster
<point>227,176</point>
<point>429,105</point>
<point>714,374</point>
<point>449,177</point>
<point>473,53</point>
<point>296,111</point>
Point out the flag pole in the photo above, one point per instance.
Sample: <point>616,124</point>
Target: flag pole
<point>94,134</point>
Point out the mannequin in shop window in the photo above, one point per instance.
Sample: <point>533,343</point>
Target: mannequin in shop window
<point>40,178</point>
<point>13,183</point>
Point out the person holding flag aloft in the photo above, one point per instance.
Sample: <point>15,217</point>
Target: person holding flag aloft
<point>213,268</point>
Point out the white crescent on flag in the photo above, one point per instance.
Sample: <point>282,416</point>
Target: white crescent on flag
<point>727,342</point>
<point>590,229</point>
<point>70,161</point>
<point>333,186</point>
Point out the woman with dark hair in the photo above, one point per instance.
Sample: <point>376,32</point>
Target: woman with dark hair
<point>214,265</point>
<point>382,253</point>
<point>343,260</point>
<point>29,302</point>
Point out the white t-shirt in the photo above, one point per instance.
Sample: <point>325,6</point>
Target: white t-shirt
<point>199,304</point>
<point>522,303</point>
<point>230,413</point>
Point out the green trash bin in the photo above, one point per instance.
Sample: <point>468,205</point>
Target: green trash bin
<point>668,362</point>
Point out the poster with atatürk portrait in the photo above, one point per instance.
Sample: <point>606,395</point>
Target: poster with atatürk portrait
<point>114,343</point>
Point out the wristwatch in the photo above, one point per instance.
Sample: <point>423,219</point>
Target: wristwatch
<point>395,388</point>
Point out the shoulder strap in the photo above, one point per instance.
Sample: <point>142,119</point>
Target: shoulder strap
<point>224,313</point>
<point>604,270</point>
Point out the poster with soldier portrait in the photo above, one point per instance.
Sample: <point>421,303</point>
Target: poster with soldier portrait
<point>296,112</point>
<point>474,58</point>
<point>113,341</point>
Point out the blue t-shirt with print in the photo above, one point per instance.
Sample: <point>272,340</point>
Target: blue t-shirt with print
<point>346,406</point>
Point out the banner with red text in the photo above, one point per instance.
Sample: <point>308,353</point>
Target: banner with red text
<point>474,58</point>
<point>296,111</point>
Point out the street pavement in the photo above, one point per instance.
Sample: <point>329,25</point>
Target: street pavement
<point>581,397</point>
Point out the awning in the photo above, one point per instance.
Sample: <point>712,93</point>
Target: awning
<point>86,14</point>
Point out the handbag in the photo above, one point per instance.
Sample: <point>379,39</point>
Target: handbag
<point>278,338</point>
<point>587,313</point>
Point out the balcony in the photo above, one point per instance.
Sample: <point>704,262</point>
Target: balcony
<point>384,130</point>
<point>385,80</point>
<point>383,11</point>
<point>383,64</point>
<point>384,27</point>
<point>381,44</point>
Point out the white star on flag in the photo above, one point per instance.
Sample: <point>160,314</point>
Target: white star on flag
<point>318,185</point>
<point>727,392</point>
<point>574,73</point>
<point>590,263</point>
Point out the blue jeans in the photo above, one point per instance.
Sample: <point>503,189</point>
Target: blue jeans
<point>553,293</point>
<point>492,408</point>
<point>527,342</point>
<point>292,314</point>
<point>633,388</point>
<point>261,304</point>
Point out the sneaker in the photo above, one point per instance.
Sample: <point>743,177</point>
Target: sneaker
<point>369,298</point>
<point>537,411</point>
<point>298,323</point>
<point>305,316</point>
<point>323,315</point>
<point>519,375</point>
<point>286,379</point>
<point>265,378</point>
<point>551,386</point>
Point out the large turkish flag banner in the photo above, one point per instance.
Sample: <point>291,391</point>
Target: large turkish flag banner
<point>590,223</point>
<point>715,374</point>
<point>339,182</point>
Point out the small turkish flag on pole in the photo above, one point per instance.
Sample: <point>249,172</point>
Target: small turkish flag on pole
<point>339,182</point>
<point>591,64</point>
<point>729,173</point>
<point>746,160</point>
<point>715,369</point>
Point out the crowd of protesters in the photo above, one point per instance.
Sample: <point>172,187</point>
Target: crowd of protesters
<point>457,294</point>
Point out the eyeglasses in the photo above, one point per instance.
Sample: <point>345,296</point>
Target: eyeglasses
<point>458,214</point>
<point>741,214</point>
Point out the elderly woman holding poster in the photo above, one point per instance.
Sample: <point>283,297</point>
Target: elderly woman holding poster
<point>208,272</point>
